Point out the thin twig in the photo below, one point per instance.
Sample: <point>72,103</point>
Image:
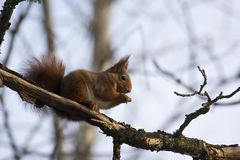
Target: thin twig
<point>172,76</point>
<point>32,133</point>
<point>221,96</point>
<point>9,132</point>
<point>205,106</point>
<point>199,92</point>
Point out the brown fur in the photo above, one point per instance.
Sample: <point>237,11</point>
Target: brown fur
<point>47,73</point>
<point>95,90</point>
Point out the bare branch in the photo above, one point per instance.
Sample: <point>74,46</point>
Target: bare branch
<point>5,16</point>
<point>205,106</point>
<point>9,133</point>
<point>199,92</point>
<point>14,32</point>
<point>172,76</point>
<point>48,26</point>
<point>221,96</point>
<point>203,110</point>
<point>154,141</point>
<point>116,149</point>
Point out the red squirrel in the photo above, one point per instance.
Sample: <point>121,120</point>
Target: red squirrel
<point>95,90</point>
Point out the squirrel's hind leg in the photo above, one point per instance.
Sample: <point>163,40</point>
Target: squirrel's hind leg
<point>91,105</point>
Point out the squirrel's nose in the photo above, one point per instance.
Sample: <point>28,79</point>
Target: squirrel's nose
<point>129,90</point>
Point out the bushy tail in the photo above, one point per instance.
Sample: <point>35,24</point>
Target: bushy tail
<point>47,72</point>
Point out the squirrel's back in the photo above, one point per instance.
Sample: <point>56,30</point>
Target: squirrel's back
<point>95,90</point>
<point>47,72</point>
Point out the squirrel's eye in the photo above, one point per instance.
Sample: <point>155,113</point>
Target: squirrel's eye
<point>123,77</point>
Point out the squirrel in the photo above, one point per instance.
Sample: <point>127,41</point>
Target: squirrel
<point>95,90</point>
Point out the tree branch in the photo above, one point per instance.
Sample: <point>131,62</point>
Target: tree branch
<point>48,26</point>
<point>205,106</point>
<point>15,31</point>
<point>10,133</point>
<point>5,16</point>
<point>199,92</point>
<point>154,141</point>
<point>116,149</point>
<point>171,76</point>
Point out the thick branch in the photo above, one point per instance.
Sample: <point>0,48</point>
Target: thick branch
<point>154,141</point>
<point>5,16</point>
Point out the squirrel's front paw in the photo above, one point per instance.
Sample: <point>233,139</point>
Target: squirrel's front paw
<point>127,99</point>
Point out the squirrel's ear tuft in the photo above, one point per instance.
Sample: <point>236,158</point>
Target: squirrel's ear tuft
<point>121,65</point>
